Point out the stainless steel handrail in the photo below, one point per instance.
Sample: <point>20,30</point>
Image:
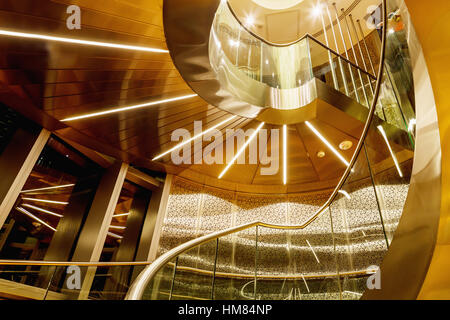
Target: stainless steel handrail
<point>137,288</point>
<point>71,263</point>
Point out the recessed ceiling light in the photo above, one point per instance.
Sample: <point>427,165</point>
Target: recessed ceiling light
<point>321,154</point>
<point>78,41</point>
<point>122,109</point>
<point>345,145</point>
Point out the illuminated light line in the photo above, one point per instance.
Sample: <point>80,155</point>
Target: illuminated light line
<point>284,154</point>
<point>79,41</point>
<point>49,188</point>
<point>46,201</point>
<point>351,292</point>
<point>121,215</point>
<point>321,137</point>
<point>314,253</point>
<point>306,284</point>
<point>114,235</point>
<point>193,138</point>
<point>32,216</point>
<point>42,210</point>
<point>117,227</point>
<point>122,109</point>
<point>345,193</point>
<point>241,150</point>
<point>383,133</point>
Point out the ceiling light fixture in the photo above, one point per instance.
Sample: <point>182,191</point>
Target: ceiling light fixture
<point>32,216</point>
<point>114,235</point>
<point>122,109</point>
<point>383,133</point>
<point>42,210</point>
<point>193,138</point>
<point>79,41</point>
<point>241,150</point>
<point>317,10</point>
<point>250,21</point>
<point>46,201</point>
<point>48,188</point>
<point>321,137</point>
<point>121,215</point>
<point>117,227</point>
<point>284,154</point>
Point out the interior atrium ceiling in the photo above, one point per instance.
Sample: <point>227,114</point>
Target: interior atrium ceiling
<point>286,23</point>
<point>56,82</point>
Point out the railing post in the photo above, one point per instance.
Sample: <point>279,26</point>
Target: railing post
<point>330,58</point>
<point>346,54</point>
<point>344,78</point>
<point>361,52</point>
<point>356,59</point>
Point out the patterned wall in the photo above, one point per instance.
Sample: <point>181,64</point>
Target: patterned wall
<point>349,237</point>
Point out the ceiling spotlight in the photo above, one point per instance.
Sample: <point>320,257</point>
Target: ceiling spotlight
<point>321,154</point>
<point>250,21</point>
<point>317,10</point>
<point>345,145</point>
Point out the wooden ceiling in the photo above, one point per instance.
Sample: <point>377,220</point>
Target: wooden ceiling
<point>49,81</point>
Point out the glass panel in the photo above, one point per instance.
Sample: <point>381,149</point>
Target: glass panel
<point>235,270</point>
<point>160,286</point>
<point>62,183</point>
<point>194,275</point>
<point>358,229</point>
<point>29,282</point>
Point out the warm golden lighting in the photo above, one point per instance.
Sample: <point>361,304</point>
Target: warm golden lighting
<point>284,154</point>
<point>383,133</point>
<point>32,216</point>
<point>325,141</point>
<point>122,109</point>
<point>46,201</point>
<point>48,188</point>
<point>314,253</point>
<point>241,150</point>
<point>345,193</point>
<point>117,227</point>
<point>121,215</point>
<point>178,146</point>
<point>42,210</point>
<point>78,41</point>
<point>111,234</point>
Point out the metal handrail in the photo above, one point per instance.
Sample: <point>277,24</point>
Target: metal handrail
<point>71,263</point>
<point>307,35</point>
<point>137,288</point>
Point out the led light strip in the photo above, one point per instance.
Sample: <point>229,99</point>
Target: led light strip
<point>46,201</point>
<point>48,188</point>
<point>117,227</point>
<point>42,210</point>
<point>383,133</point>
<point>32,216</point>
<point>193,138</point>
<point>78,41</point>
<point>114,235</point>
<point>345,193</point>
<point>314,253</point>
<point>122,109</point>
<point>284,154</point>
<point>306,284</point>
<point>321,137</point>
<point>241,150</point>
<point>121,215</point>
